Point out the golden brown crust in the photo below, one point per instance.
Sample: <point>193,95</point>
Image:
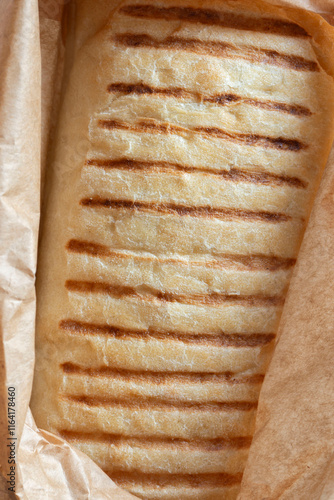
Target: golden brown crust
<point>192,139</point>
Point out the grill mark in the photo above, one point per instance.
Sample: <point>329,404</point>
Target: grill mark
<point>292,109</point>
<point>158,377</point>
<point>151,294</point>
<point>202,339</point>
<point>208,445</point>
<point>219,99</point>
<point>216,18</point>
<point>141,88</point>
<point>219,49</point>
<point>234,174</point>
<point>161,479</point>
<point>251,262</point>
<point>184,210</point>
<point>159,403</point>
<point>152,126</point>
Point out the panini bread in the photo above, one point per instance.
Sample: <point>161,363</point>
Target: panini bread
<point>191,141</point>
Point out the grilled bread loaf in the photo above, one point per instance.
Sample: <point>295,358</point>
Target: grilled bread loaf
<point>191,141</point>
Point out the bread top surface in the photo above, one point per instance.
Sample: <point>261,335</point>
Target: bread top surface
<point>191,142</point>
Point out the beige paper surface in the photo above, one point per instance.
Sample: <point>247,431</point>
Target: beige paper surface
<point>292,456</point>
<point>19,207</point>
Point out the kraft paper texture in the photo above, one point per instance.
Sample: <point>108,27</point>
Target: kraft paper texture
<point>292,454</point>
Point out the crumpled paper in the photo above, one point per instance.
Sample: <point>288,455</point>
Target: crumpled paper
<point>292,455</point>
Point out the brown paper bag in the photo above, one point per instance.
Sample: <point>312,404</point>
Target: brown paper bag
<point>292,455</point>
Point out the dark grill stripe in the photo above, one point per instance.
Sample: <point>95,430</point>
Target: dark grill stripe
<point>151,294</point>
<point>219,49</point>
<point>160,403</point>
<point>216,18</point>
<point>162,480</point>
<point>183,210</point>
<point>219,99</point>
<point>242,262</point>
<point>151,126</point>
<point>233,174</point>
<point>158,377</point>
<point>216,444</point>
<point>236,340</point>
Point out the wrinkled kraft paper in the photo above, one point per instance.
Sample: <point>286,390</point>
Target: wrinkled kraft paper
<point>292,455</point>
